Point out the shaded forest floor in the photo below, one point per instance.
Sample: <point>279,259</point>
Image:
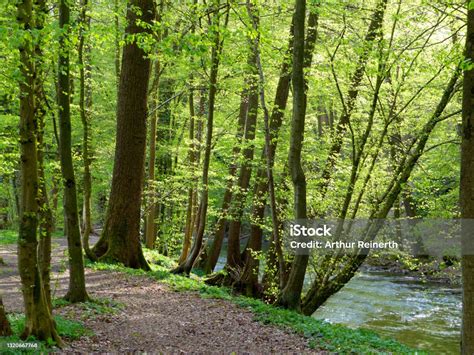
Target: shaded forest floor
<point>135,313</point>
<point>158,312</point>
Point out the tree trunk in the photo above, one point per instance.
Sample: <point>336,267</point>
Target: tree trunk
<point>238,198</point>
<point>46,223</point>
<point>38,319</point>
<point>211,257</point>
<point>341,127</point>
<point>5,329</point>
<point>150,230</point>
<point>200,223</point>
<point>290,296</point>
<point>117,35</point>
<point>467,192</point>
<point>77,286</point>
<point>85,107</point>
<point>120,240</point>
<point>189,208</point>
<point>276,265</point>
<point>194,157</point>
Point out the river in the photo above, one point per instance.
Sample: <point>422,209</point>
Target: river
<point>416,313</point>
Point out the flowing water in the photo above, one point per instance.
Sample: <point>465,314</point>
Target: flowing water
<point>419,314</point>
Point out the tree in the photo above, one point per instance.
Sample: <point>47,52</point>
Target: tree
<point>150,230</point>
<point>46,222</point>
<point>210,255</point>
<point>373,31</point>
<point>5,329</point>
<point>85,106</point>
<point>38,319</point>
<point>335,278</point>
<point>290,296</point>
<point>200,222</point>
<point>466,193</point>
<point>77,284</point>
<point>120,239</point>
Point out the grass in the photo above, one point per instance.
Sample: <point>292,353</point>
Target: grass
<point>8,236</point>
<point>92,308</point>
<point>321,335</point>
<point>67,329</point>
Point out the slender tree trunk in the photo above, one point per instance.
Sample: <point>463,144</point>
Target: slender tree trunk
<point>189,208</point>
<point>320,292</point>
<point>276,265</point>
<point>197,141</point>
<point>85,107</point>
<point>200,223</point>
<point>341,127</point>
<point>467,192</point>
<point>150,230</point>
<point>191,159</point>
<point>5,329</point>
<point>77,285</point>
<point>120,240</point>
<point>46,223</point>
<point>209,261</point>
<point>38,319</point>
<point>290,296</point>
<point>238,198</point>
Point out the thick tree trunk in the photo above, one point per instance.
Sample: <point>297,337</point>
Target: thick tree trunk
<point>120,240</point>
<point>117,34</point>
<point>85,106</point>
<point>38,319</point>
<point>77,285</point>
<point>467,193</point>
<point>290,296</point>
<point>5,329</point>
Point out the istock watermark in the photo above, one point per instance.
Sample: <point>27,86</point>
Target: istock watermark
<point>427,237</point>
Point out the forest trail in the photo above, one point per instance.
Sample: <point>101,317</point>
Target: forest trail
<point>149,317</point>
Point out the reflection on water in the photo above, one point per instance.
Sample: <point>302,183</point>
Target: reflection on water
<point>422,315</point>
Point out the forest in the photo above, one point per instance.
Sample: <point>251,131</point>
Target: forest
<point>220,176</point>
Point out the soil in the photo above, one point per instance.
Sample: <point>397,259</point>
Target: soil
<point>150,317</point>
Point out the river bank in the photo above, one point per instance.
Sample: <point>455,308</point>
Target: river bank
<point>445,272</point>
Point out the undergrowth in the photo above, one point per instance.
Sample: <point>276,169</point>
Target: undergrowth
<point>321,335</point>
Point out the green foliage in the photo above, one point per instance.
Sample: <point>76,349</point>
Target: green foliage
<point>11,236</point>
<point>8,237</point>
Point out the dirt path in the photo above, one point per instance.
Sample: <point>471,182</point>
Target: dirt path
<point>152,318</point>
